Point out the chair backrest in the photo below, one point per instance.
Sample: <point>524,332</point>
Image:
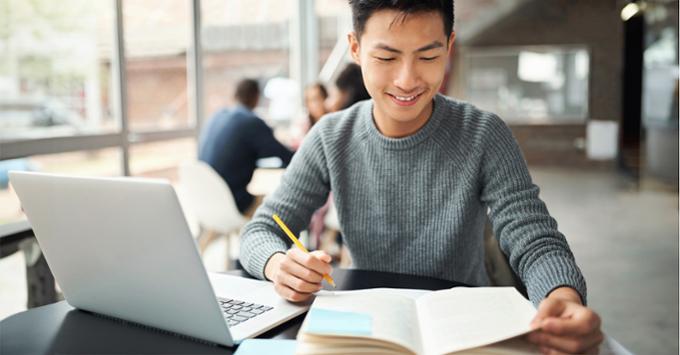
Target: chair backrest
<point>209,198</point>
<point>331,220</point>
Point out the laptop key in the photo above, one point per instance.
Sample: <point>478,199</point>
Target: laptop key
<point>238,318</point>
<point>246,314</point>
<point>247,309</point>
<point>236,302</point>
<point>257,311</point>
<point>236,307</point>
<point>232,311</point>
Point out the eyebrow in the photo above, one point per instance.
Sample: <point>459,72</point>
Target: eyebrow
<point>433,45</point>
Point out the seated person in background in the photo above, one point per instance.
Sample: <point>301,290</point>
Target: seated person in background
<point>315,107</point>
<point>414,175</point>
<point>349,89</point>
<point>315,102</point>
<point>234,139</point>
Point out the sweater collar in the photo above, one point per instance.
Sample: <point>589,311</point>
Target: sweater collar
<point>404,142</point>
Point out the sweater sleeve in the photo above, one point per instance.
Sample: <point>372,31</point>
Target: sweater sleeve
<point>304,188</point>
<point>538,253</point>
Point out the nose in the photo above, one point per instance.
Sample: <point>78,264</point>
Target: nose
<point>407,78</point>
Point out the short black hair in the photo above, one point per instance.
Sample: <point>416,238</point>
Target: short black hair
<point>247,92</point>
<point>363,9</point>
<point>351,82</point>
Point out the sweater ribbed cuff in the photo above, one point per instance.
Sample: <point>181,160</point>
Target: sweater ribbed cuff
<point>257,249</point>
<point>551,273</point>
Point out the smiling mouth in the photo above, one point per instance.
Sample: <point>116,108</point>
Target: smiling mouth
<point>405,100</point>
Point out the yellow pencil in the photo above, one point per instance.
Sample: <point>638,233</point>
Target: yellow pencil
<point>297,243</point>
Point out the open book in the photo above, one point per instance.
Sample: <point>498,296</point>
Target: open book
<point>391,321</point>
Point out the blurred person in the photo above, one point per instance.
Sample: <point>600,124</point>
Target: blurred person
<point>349,89</point>
<point>234,139</point>
<point>315,96</point>
<point>315,101</point>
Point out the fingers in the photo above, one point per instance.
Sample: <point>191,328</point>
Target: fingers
<point>566,327</point>
<point>563,344</point>
<point>289,294</point>
<point>548,308</point>
<point>583,321</point>
<point>299,274</point>
<point>321,255</point>
<point>549,351</point>
<point>315,261</point>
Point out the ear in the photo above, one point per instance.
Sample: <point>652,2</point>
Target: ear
<point>354,46</point>
<point>452,38</point>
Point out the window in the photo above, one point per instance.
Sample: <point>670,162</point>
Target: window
<point>157,34</point>
<point>161,159</point>
<point>246,39</point>
<point>99,162</point>
<point>527,85</point>
<point>55,73</point>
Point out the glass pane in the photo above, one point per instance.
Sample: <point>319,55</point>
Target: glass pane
<point>102,162</point>
<point>529,85</point>
<point>245,38</point>
<point>335,21</point>
<point>161,159</point>
<point>55,68</point>
<point>157,36</point>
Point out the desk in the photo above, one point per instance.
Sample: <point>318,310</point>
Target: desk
<point>59,328</point>
<point>39,280</point>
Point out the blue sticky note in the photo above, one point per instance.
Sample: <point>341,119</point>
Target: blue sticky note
<point>266,346</point>
<point>326,321</point>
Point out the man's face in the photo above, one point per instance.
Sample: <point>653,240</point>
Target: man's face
<point>403,64</point>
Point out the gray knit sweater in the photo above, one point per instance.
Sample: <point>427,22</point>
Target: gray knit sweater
<point>418,205</point>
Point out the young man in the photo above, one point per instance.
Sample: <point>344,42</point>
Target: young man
<point>234,139</point>
<point>413,174</point>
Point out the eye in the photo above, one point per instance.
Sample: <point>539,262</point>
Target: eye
<point>429,59</point>
<point>383,59</point>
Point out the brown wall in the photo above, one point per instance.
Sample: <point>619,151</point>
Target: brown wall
<point>593,23</point>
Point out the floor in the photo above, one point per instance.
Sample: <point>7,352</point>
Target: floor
<point>624,238</point>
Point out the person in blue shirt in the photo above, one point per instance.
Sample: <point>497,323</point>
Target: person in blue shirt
<point>234,139</point>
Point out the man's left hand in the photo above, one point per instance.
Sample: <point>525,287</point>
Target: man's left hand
<point>566,326</point>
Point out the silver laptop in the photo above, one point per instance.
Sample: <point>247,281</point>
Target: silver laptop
<point>121,247</point>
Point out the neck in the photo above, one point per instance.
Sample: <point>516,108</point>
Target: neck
<point>392,128</point>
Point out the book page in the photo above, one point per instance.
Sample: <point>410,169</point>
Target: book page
<point>393,314</point>
<point>463,318</point>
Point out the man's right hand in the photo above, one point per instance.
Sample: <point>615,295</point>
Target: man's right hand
<point>296,274</point>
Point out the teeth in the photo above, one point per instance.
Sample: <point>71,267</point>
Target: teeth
<point>405,98</point>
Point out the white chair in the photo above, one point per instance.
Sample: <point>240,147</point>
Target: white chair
<point>210,202</point>
<point>331,220</point>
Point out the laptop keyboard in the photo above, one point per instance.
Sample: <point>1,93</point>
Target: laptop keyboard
<point>236,312</point>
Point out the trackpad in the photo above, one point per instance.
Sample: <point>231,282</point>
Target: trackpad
<point>235,286</point>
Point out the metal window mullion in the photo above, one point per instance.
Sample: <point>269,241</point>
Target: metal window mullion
<point>195,67</point>
<point>52,145</point>
<point>121,104</point>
